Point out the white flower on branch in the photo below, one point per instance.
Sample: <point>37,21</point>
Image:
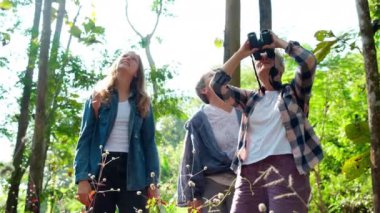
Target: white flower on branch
<point>216,201</point>
<point>220,195</point>
<point>191,184</point>
<point>262,207</point>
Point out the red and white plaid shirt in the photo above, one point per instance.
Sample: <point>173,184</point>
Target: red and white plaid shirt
<point>293,107</point>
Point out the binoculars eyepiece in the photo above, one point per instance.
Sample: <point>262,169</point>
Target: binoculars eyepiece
<point>265,39</point>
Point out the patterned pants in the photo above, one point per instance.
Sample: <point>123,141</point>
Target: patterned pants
<point>273,184</point>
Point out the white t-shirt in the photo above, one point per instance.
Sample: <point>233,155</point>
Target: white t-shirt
<point>225,126</point>
<point>118,140</point>
<point>266,133</point>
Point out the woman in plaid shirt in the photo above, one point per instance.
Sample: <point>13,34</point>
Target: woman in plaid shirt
<point>277,144</point>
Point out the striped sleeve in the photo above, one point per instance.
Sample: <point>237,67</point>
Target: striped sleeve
<point>228,93</point>
<point>305,72</point>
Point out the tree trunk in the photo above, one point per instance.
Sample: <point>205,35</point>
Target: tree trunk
<point>265,8</point>
<point>232,35</point>
<point>23,121</point>
<point>54,79</point>
<point>146,40</point>
<point>152,66</point>
<point>39,145</point>
<point>373,95</point>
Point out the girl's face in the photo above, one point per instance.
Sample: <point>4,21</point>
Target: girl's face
<point>264,65</point>
<point>127,66</point>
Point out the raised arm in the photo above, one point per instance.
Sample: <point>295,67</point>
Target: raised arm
<point>235,96</point>
<point>303,80</point>
<point>304,77</point>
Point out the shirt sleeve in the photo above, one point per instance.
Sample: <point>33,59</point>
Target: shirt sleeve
<point>82,154</point>
<point>304,76</point>
<point>228,93</point>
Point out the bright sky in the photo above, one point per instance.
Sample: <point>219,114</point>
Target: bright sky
<point>188,37</point>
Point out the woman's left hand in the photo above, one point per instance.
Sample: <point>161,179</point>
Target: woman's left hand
<point>277,42</point>
<point>153,192</point>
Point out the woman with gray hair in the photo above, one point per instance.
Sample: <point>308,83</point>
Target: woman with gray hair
<point>277,144</point>
<point>210,146</point>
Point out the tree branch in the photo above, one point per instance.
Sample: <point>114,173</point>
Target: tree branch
<point>129,21</point>
<point>158,15</point>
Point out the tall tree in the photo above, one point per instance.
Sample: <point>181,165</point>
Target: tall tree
<point>164,99</point>
<point>232,35</point>
<point>265,8</point>
<point>373,94</point>
<point>146,40</point>
<point>39,145</point>
<point>23,119</point>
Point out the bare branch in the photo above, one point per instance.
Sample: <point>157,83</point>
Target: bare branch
<point>158,13</point>
<point>129,21</point>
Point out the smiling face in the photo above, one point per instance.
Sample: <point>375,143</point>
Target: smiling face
<point>127,67</point>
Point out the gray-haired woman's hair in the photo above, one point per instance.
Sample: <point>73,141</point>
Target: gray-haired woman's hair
<point>279,61</point>
<point>202,84</point>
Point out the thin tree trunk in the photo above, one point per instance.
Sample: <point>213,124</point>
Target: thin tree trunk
<point>152,66</point>
<point>54,81</point>
<point>39,145</point>
<point>23,121</point>
<point>146,40</point>
<point>232,35</point>
<point>373,95</point>
<point>265,8</point>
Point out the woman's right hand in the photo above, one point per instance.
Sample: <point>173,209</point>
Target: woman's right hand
<point>84,189</point>
<point>194,206</point>
<point>245,50</point>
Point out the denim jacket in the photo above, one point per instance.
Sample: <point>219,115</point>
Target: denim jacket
<point>201,150</point>
<point>95,131</point>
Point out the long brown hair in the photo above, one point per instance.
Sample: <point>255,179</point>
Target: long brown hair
<point>105,87</point>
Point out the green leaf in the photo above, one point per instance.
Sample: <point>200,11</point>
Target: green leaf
<point>323,49</point>
<point>6,5</point>
<point>218,43</point>
<point>98,30</point>
<point>322,34</point>
<point>89,25</point>
<point>5,38</point>
<point>356,166</point>
<point>75,31</point>
<point>358,132</point>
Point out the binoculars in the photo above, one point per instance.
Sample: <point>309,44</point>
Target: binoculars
<point>265,39</point>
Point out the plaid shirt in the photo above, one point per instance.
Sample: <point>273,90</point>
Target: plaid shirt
<point>293,107</point>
